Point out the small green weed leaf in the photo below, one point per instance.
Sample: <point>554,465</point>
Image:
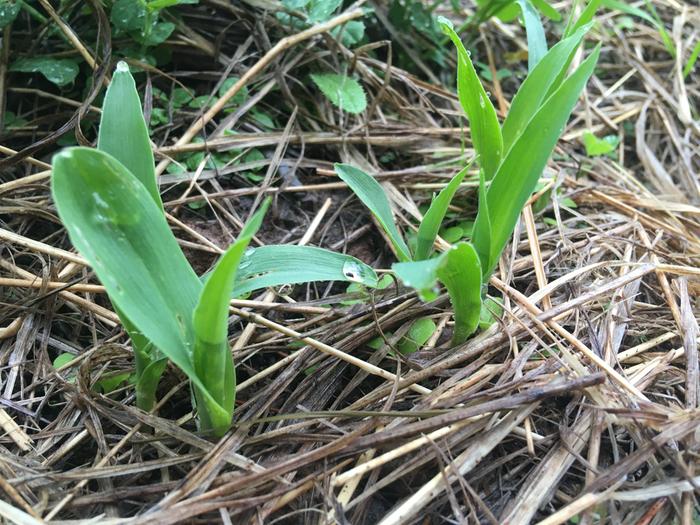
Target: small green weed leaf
<point>159,33</point>
<point>430,225</point>
<point>62,360</point>
<point>60,71</point>
<point>212,357</point>
<point>536,40</point>
<point>523,165</point>
<point>370,192</point>
<point>129,15</point>
<point>322,10</point>
<point>343,91</point>
<point>483,121</point>
<point>596,147</point>
<point>539,82</point>
<point>9,9</point>
<point>417,335</point>
<point>154,5</point>
<point>459,269</point>
<point>291,264</point>
<point>240,97</point>
<point>452,234</point>
<point>123,132</point>
<point>351,33</point>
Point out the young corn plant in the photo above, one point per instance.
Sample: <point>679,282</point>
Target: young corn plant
<point>511,157</point>
<point>109,202</point>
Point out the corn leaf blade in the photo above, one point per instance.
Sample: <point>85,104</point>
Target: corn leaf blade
<point>123,132</point>
<point>459,269</point>
<point>292,264</point>
<point>369,191</point>
<point>525,161</point>
<point>532,94</point>
<point>483,121</point>
<point>430,225</point>
<point>536,40</point>
<point>212,357</point>
<point>114,223</point>
<point>481,233</point>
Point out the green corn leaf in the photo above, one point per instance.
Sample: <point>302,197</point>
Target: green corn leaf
<point>291,264</point>
<point>690,64</point>
<point>536,40</point>
<point>539,82</point>
<point>123,132</point>
<point>430,225</point>
<point>481,232</point>
<point>117,227</point>
<point>213,361</point>
<point>459,270</point>
<point>483,121</point>
<point>147,383</point>
<point>547,10</point>
<point>522,166</point>
<point>372,195</point>
<point>585,18</point>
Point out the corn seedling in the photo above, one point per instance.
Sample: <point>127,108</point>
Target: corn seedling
<point>511,156</point>
<point>109,202</point>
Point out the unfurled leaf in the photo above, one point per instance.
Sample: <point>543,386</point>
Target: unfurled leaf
<point>520,170</point>
<point>547,75</point>
<point>547,10</point>
<point>123,132</point>
<point>372,195</point>
<point>481,230</point>
<point>430,225</point>
<point>459,269</point>
<point>60,71</point>
<point>483,121</point>
<point>278,265</point>
<point>212,357</point>
<point>536,40</point>
<point>343,91</point>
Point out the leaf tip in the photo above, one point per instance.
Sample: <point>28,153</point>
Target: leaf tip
<point>122,67</point>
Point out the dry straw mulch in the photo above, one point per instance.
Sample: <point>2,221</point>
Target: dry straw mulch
<point>581,401</point>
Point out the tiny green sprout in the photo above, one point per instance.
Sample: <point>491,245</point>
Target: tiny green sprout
<point>109,201</point>
<point>511,158</point>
